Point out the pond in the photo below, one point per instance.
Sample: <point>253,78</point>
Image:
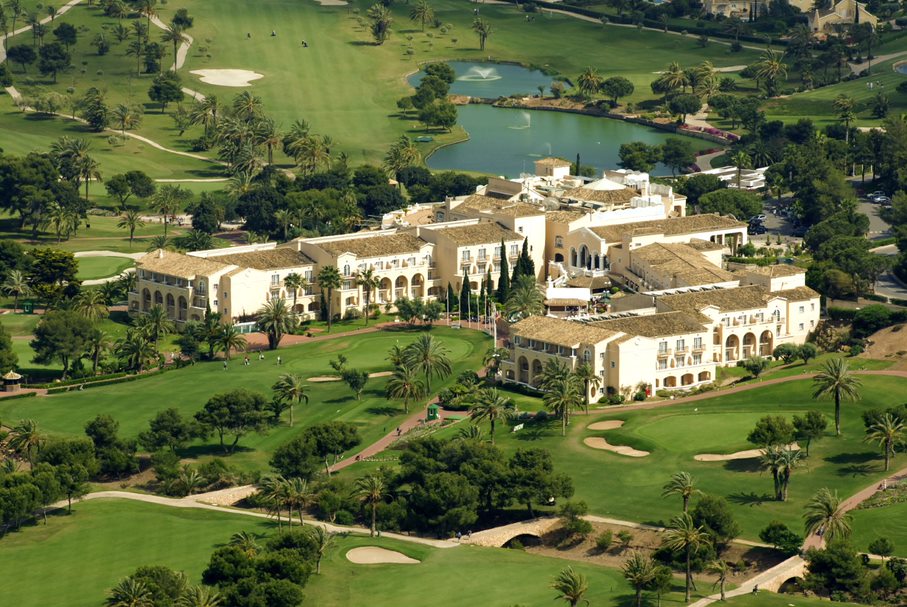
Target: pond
<point>508,141</point>
<point>901,68</point>
<point>492,80</point>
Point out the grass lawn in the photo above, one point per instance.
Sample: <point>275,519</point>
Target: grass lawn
<point>630,488</point>
<point>134,403</point>
<point>770,599</point>
<point>74,560</point>
<point>102,267</point>
<point>887,521</point>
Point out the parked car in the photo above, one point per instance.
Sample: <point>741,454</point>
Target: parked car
<point>755,228</point>
<point>799,231</point>
<point>758,218</point>
<point>873,195</point>
<point>885,201</point>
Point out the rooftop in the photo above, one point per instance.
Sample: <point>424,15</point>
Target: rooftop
<point>774,271</point>
<point>271,259</point>
<point>671,226</point>
<point>663,324</point>
<point>486,232</point>
<point>479,203</point>
<point>179,265</point>
<point>553,162</point>
<point>727,300</point>
<point>564,216</point>
<point>560,332</point>
<point>683,262</point>
<point>795,294</point>
<point>621,196</point>
<point>374,246</point>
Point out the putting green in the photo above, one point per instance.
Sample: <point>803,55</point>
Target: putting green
<point>102,267</point>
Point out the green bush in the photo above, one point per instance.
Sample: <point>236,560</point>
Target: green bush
<point>603,540</point>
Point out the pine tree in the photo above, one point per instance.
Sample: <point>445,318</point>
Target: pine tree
<point>451,297</point>
<point>465,296</point>
<point>504,281</point>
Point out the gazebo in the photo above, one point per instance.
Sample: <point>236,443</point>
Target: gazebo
<point>11,381</point>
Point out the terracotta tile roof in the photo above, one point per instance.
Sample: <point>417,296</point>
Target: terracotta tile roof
<point>271,259</point>
<point>621,196</point>
<point>775,271</point>
<point>564,216</point>
<point>479,204</point>
<point>560,332</point>
<point>374,246</point>
<point>750,297</point>
<point>486,232</point>
<point>795,294</point>
<point>683,262</point>
<point>179,265</point>
<point>690,224</point>
<point>508,188</point>
<point>553,162</point>
<point>663,324</point>
<point>560,303</point>
<point>589,282</point>
<point>705,245</point>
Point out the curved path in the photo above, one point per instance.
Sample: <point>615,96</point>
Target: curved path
<point>99,281</point>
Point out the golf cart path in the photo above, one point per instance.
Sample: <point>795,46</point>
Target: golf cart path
<point>181,53</point>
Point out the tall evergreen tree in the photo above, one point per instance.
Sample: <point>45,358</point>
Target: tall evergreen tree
<point>526,261</point>
<point>504,281</point>
<point>451,298</point>
<point>465,295</point>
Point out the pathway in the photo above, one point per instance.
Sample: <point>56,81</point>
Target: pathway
<point>180,58</point>
<point>704,162</point>
<point>856,68</point>
<point>201,500</point>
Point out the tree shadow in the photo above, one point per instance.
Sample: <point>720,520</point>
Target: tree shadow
<point>213,449</point>
<point>751,464</point>
<point>749,499</point>
<point>386,411</point>
<point>858,470</point>
<point>852,458</point>
<point>532,433</point>
<point>361,43</point>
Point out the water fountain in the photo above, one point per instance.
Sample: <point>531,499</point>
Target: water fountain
<point>479,73</point>
<point>527,117</point>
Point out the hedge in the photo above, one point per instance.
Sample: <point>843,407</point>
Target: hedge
<point>75,382</point>
<point>104,382</point>
<point>19,395</point>
<point>844,314</point>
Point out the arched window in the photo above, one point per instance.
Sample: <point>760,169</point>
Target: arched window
<point>559,242</point>
<point>573,257</point>
<point>587,356</point>
<point>346,270</point>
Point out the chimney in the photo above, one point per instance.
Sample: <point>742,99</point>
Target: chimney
<point>160,253</point>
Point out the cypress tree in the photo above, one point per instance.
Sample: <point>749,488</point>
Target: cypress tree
<point>451,297</point>
<point>465,296</point>
<point>504,280</point>
<point>528,266</point>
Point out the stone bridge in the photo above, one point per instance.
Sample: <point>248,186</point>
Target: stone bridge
<point>497,537</point>
<point>769,580</point>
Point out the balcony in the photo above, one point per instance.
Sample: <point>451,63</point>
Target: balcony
<point>682,350</point>
<point>663,353</point>
<point>699,348</point>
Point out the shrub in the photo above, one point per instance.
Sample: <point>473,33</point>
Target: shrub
<point>603,540</point>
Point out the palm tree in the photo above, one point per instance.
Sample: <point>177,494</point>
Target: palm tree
<point>422,12</point>
<point>294,282</point>
<point>294,139</point>
<point>639,571</point>
<point>298,495</point>
<point>525,299</point>
<point>292,388</point>
<point>722,572</point>
<point>25,440</point>
<point>199,596</point>
<point>483,30</point>
<point>159,242</point>
<point>321,540</point>
<point>824,515</point>
<point>370,491</point>
<point>126,117</point>
<point>405,385</point>
<point>490,405</point>
<point>369,283</point>
<point>429,356</point>
<point>88,169</point>
<point>403,153</point>
<point>131,220</point>
<point>837,381</point>
<point>682,484</point>
<point>204,112</point>
<point>275,319</point>
<point>230,339</point>
<point>274,491</point>
<point>98,343</point>
<point>15,7</point>
<point>771,460</point>
<point>247,107</point>
<point>189,480</point>
<point>136,349</point>
<point>245,541</point>
<point>147,8</point>
<point>130,592</point>
<point>562,396</point>
<point>592,381</point>
<point>741,160</point>
<point>284,219</point>
<point>174,34</point>
<point>16,284</point>
<point>673,78</point>
<point>788,460</point>
<point>155,323</point>
<point>769,69</point>
<point>571,586</point>
<point>589,82</point>
<point>381,19</point>
<point>888,432</point>
<point>328,280</point>
<point>492,360</point>
<point>168,200</point>
<point>90,304</point>
<point>268,134</point>
<point>846,108</point>
<point>683,534</point>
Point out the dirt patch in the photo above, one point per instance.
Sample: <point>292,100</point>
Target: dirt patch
<point>373,555</point>
<point>611,424</point>
<point>888,344</point>
<point>326,378</point>
<point>227,77</point>
<point>597,442</point>
<point>748,454</point>
<point>748,560</point>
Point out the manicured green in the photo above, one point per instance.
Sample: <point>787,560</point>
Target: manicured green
<point>770,599</point>
<point>102,267</point>
<point>97,233</point>
<point>134,403</point>
<point>74,560</point>
<point>630,488</point>
<point>887,521</point>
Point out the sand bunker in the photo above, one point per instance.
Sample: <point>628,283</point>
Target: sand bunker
<point>332,2</point>
<point>372,555</point>
<point>597,442</point>
<point>227,77</point>
<point>611,424</point>
<point>748,454</point>
<point>324,378</point>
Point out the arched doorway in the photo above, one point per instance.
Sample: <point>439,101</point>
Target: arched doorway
<point>523,366</point>
<point>573,257</point>
<point>749,345</point>
<point>146,300</point>
<point>585,259</point>
<point>705,376</point>
<point>536,372</point>
<point>418,286</point>
<point>383,295</point>
<point>400,287</point>
<point>766,343</point>
<point>670,382</point>
<point>558,258</point>
<point>686,379</point>
<point>183,308</point>
<point>171,306</point>
<point>158,299</point>
<point>731,348</point>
